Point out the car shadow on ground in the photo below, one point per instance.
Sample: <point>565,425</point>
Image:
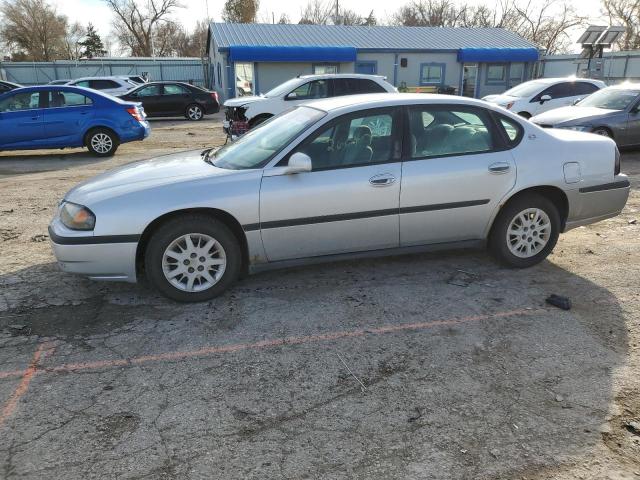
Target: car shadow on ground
<point>472,390</point>
<point>16,163</point>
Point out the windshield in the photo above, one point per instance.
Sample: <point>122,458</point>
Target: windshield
<point>255,148</point>
<point>610,99</point>
<point>283,88</point>
<point>526,89</point>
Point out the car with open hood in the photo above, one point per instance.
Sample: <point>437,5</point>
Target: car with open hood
<point>612,112</point>
<point>344,177</point>
<point>246,112</point>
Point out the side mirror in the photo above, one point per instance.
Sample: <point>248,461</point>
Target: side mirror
<point>298,162</point>
<point>545,98</point>
<point>576,101</point>
<point>291,96</point>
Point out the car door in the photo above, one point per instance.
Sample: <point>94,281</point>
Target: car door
<point>562,95</point>
<point>312,90</point>
<point>348,202</point>
<point>21,120</point>
<point>150,97</point>
<point>67,116</point>
<point>175,99</point>
<point>455,171</point>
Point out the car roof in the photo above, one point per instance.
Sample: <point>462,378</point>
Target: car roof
<point>625,86</point>
<point>343,75</point>
<point>380,100</point>
<point>13,84</point>
<point>66,88</point>
<point>113,77</point>
<point>550,81</point>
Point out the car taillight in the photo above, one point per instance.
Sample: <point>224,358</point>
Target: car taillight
<point>509,105</point>
<point>136,113</point>
<point>616,167</point>
<point>214,95</point>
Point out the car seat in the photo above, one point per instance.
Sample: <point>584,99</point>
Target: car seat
<point>57,99</point>
<point>359,151</point>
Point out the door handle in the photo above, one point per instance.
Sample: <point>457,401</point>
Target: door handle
<point>382,180</point>
<point>499,167</point>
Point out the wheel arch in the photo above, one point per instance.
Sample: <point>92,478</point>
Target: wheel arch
<point>555,194</point>
<point>85,137</point>
<point>265,116</point>
<point>604,127</point>
<point>225,217</point>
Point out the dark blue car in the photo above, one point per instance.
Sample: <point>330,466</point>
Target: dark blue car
<point>53,116</point>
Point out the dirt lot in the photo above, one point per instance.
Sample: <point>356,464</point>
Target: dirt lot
<point>467,373</point>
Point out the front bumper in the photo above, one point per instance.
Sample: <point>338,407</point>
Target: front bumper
<point>597,202</point>
<point>99,258</point>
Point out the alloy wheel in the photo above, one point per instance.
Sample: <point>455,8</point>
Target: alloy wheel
<point>194,112</point>
<point>101,143</point>
<point>194,262</point>
<point>528,232</point>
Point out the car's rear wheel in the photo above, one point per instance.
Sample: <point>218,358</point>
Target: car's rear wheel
<point>525,231</point>
<point>194,112</point>
<point>102,142</point>
<point>193,258</point>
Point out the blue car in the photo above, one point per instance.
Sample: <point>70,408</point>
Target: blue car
<point>53,116</point>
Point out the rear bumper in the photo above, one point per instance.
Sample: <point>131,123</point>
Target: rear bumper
<point>99,258</point>
<point>598,202</point>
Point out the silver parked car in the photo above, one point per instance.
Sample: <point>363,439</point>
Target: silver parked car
<point>613,112</point>
<point>353,175</point>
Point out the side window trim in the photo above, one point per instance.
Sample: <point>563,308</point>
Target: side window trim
<point>496,137</point>
<point>396,135</point>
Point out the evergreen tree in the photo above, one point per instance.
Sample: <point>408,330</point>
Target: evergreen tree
<point>92,44</point>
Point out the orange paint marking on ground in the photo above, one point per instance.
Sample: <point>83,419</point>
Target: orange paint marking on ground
<point>27,375</point>
<point>208,351</point>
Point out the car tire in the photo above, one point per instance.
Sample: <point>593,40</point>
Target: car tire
<point>525,231</point>
<point>194,112</point>
<point>254,122</point>
<point>603,132</point>
<point>102,142</point>
<point>526,115</point>
<point>191,272</point>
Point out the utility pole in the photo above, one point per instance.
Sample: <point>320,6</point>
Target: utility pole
<point>337,20</point>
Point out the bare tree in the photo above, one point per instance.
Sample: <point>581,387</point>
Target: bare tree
<point>240,11</point>
<point>428,13</point>
<point>317,12</point>
<point>284,19</point>
<point>136,23</point>
<point>627,14</point>
<point>73,40</point>
<point>33,30</point>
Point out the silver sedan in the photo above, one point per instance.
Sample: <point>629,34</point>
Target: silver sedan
<point>340,178</point>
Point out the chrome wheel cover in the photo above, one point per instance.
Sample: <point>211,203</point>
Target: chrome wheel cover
<point>194,113</point>
<point>194,262</point>
<point>528,233</point>
<point>101,143</point>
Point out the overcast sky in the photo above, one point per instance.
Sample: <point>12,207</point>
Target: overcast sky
<point>95,11</point>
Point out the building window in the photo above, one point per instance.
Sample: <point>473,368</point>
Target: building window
<point>496,73</point>
<point>324,69</point>
<point>432,73</point>
<point>515,73</point>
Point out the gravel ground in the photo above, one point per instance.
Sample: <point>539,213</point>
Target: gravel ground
<point>442,366</point>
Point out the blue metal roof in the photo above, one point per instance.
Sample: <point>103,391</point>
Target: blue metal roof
<point>364,38</point>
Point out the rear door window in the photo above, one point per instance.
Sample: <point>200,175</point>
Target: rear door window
<point>103,84</point>
<point>172,89</point>
<point>585,88</point>
<point>449,130</point>
<point>58,99</point>
<point>150,91</point>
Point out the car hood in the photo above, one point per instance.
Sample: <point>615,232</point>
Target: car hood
<point>242,101</point>
<point>572,115</point>
<point>500,99</point>
<point>143,175</point>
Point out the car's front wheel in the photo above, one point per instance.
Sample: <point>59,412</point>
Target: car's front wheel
<point>102,142</point>
<point>194,112</point>
<point>192,258</point>
<point>525,231</point>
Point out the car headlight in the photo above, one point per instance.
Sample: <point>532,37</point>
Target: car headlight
<point>577,128</point>
<point>77,217</point>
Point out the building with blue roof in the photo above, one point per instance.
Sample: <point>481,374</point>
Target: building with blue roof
<point>253,58</point>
